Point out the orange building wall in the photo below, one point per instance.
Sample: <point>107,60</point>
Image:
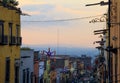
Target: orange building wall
<point>36,71</point>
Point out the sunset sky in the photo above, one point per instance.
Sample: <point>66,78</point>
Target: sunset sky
<point>41,30</point>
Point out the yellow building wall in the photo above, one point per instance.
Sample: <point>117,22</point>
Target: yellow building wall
<point>12,51</point>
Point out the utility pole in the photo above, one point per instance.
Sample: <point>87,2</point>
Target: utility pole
<point>102,3</point>
<point>109,54</point>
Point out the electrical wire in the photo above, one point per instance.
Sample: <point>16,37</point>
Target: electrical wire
<point>61,20</point>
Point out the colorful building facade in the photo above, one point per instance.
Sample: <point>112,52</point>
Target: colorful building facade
<point>10,41</point>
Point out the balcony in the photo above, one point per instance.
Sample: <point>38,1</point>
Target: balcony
<point>4,40</point>
<point>19,41</point>
<point>12,40</point>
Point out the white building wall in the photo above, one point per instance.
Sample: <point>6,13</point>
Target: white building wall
<point>26,66</point>
<point>41,68</point>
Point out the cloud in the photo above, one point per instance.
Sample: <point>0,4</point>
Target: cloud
<point>39,7</point>
<point>61,7</point>
<point>32,12</point>
<point>30,2</point>
<point>56,12</point>
<point>71,32</point>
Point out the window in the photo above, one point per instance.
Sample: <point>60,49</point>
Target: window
<point>1,28</point>
<point>7,71</point>
<point>24,76</point>
<point>17,30</point>
<point>16,74</point>
<point>27,75</point>
<point>10,33</point>
<point>12,39</point>
<point>18,38</point>
<point>31,77</point>
<point>1,31</point>
<point>10,29</point>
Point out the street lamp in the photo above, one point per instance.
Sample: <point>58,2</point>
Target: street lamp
<point>102,3</point>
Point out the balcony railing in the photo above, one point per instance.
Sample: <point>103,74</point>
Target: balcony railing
<point>19,40</point>
<point>3,40</point>
<point>12,40</point>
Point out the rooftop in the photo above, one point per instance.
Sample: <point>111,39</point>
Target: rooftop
<point>10,4</point>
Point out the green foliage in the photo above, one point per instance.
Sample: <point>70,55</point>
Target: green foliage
<point>11,2</point>
<point>26,48</point>
<point>5,1</point>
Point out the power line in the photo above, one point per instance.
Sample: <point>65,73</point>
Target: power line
<point>61,20</point>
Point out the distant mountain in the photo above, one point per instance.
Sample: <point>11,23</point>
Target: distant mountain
<point>66,50</point>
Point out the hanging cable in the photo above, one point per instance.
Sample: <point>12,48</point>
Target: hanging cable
<point>61,20</point>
